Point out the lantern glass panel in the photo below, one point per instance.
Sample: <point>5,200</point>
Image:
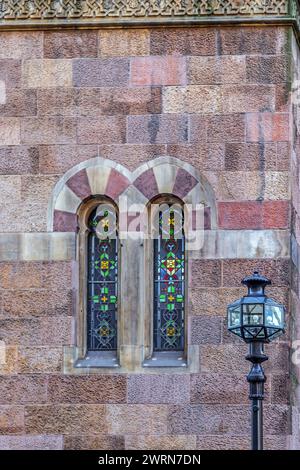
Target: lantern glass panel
<point>254,332</point>
<point>253,314</point>
<point>234,316</point>
<point>274,316</point>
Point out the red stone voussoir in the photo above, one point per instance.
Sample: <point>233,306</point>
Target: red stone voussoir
<point>116,184</point>
<point>146,184</point>
<point>184,183</point>
<point>64,222</point>
<point>79,184</point>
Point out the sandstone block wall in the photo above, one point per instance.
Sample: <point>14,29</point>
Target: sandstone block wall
<point>215,97</point>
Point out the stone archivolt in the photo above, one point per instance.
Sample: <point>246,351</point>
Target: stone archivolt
<point>89,9</point>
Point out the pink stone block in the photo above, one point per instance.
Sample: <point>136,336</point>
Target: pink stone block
<point>268,127</point>
<point>31,442</point>
<point>159,388</point>
<point>22,389</point>
<point>116,185</point>
<point>146,184</point>
<point>64,222</point>
<point>184,183</point>
<point>165,70</point>
<point>79,184</point>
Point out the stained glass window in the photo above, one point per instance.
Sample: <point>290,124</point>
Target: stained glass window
<point>169,279</point>
<point>102,279</point>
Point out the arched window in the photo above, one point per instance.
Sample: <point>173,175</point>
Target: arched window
<point>135,315</point>
<point>102,278</point>
<point>169,278</point>
<point>98,248</point>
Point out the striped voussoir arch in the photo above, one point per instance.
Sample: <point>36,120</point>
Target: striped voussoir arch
<point>102,177</point>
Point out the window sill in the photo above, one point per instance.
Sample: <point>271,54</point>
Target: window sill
<point>166,359</point>
<point>98,359</point>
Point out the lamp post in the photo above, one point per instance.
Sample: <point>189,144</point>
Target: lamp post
<point>256,319</point>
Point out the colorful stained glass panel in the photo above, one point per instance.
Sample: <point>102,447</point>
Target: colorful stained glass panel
<point>169,281</point>
<point>102,281</point>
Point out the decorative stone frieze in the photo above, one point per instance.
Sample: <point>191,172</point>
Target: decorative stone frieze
<point>48,13</point>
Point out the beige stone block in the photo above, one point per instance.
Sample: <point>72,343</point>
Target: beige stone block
<point>219,244</point>
<point>47,73</point>
<point>241,185</point>
<point>165,176</point>
<point>38,360</point>
<point>47,246</point>
<point>277,185</point>
<point>192,99</point>
<point>54,246</point>
<point>98,178</point>
<point>262,244</point>
<point>10,131</point>
<point>130,356</point>
<point>118,42</point>
<point>10,189</point>
<point>140,442</point>
<point>137,419</point>
<point>8,359</point>
<point>230,244</point>
<point>67,201</point>
<point>62,246</point>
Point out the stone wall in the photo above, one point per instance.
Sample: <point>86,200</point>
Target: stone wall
<point>215,97</point>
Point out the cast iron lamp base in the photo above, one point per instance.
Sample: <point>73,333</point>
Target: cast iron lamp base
<point>256,379</point>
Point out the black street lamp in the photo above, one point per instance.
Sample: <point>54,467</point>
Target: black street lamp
<point>257,320</point>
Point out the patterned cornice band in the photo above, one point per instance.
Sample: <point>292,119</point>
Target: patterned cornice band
<point>16,14</point>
